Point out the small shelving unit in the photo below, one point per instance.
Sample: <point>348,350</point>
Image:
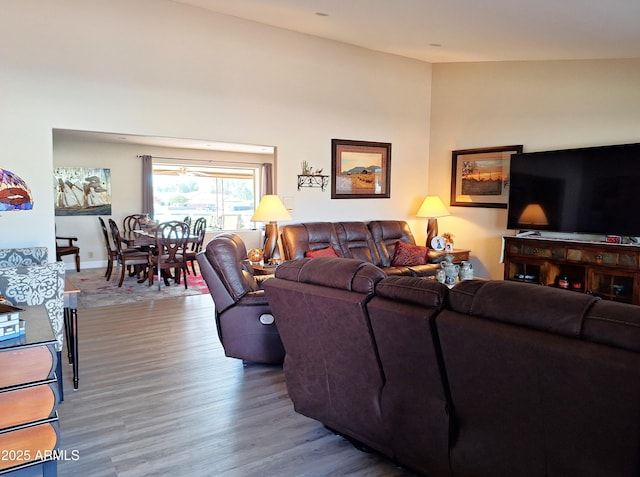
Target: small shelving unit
<point>610,271</point>
<point>313,180</point>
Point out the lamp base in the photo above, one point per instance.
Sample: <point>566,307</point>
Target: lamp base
<point>432,230</point>
<point>271,249</point>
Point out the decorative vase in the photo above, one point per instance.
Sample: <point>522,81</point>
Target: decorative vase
<point>450,270</point>
<point>466,271</point>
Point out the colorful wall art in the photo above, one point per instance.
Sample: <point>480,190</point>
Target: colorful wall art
<point>82,191</point>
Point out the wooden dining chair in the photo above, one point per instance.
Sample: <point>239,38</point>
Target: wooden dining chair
<point>199,229</point>
<point>170,252</point>
<point>133,222</point>
<point>68,248</point>
<point>111,253</point>
<point>139,260</point>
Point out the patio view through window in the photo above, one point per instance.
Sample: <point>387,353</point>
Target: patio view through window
<point>225,196</point>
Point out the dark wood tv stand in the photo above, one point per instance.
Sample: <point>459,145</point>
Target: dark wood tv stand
<point>610,271</point>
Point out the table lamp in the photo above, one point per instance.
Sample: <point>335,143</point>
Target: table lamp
<point>432,208</point>
<point>270,210</point>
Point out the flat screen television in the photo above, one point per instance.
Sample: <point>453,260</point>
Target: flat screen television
<point>593,190</point>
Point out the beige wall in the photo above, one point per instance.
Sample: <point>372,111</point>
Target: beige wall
<point>154,67</point>
<point>541,105</point>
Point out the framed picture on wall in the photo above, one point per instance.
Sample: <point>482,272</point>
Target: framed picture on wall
<point>360,169</point>
<point>82,191</point>
<point>480,177</point>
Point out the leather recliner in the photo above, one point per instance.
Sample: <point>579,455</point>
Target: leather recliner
<point>332,368</point>
<point>243,317</point>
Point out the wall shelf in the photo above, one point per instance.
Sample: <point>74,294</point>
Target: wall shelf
<point>313,180</point>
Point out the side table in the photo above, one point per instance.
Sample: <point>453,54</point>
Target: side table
<point>459,255</point>
<point>260,269</point>
<point>71,292</point>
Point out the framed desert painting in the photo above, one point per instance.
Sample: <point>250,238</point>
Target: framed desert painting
<point>480,177</point>
<point>360,169</point>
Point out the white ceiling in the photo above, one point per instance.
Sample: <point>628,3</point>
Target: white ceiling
<point>465,30</point>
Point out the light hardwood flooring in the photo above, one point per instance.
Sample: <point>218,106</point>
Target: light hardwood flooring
<point>157,397</point>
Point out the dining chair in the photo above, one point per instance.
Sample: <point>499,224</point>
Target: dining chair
<point>187,220</point>
<point>136,258</point>
<point>111,253</point>
<point>68,248</point>
<point>199,229</point>
<point>133,222</point>
<point>170,253</point>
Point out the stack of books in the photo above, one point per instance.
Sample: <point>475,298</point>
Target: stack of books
<point>11,326</point>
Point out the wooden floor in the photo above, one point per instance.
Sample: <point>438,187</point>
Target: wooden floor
<point>157,397</point>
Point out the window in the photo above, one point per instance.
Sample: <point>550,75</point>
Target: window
<point>224,195</point>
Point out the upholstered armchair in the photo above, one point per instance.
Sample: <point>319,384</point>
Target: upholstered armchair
<point>26,279</point>
<point>244,322</point>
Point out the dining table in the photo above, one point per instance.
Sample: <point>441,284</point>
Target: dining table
<point>147,238</point>
<point>141,238</point>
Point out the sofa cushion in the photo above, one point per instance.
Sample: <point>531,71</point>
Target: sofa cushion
<point>322,252</point>
<point>356,242</point>
<point>385,234</point>
<point>297,239</point>
<point>408,254</point>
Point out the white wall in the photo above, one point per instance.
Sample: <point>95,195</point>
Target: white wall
<point>541,105</point>
<point>153,67</point>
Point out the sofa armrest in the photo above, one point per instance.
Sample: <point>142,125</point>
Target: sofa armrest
<point>256,298</point>
<point>70,240</point>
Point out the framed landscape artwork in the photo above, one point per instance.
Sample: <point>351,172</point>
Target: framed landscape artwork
<point>480,177</point>
<point>360,169</point>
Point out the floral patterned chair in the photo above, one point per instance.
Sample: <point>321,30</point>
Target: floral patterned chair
<point>26,279</point>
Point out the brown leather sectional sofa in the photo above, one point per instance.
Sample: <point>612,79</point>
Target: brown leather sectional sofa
<point>490,378</point>
<point>373,242</point>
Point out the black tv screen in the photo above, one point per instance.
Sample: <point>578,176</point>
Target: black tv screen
<point>593,190</point>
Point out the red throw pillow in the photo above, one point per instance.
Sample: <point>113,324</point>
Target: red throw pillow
<point>323,252</point>
<point>407,254</point>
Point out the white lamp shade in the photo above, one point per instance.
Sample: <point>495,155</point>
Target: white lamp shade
<point>432,207</point>
<point>270,209</point>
